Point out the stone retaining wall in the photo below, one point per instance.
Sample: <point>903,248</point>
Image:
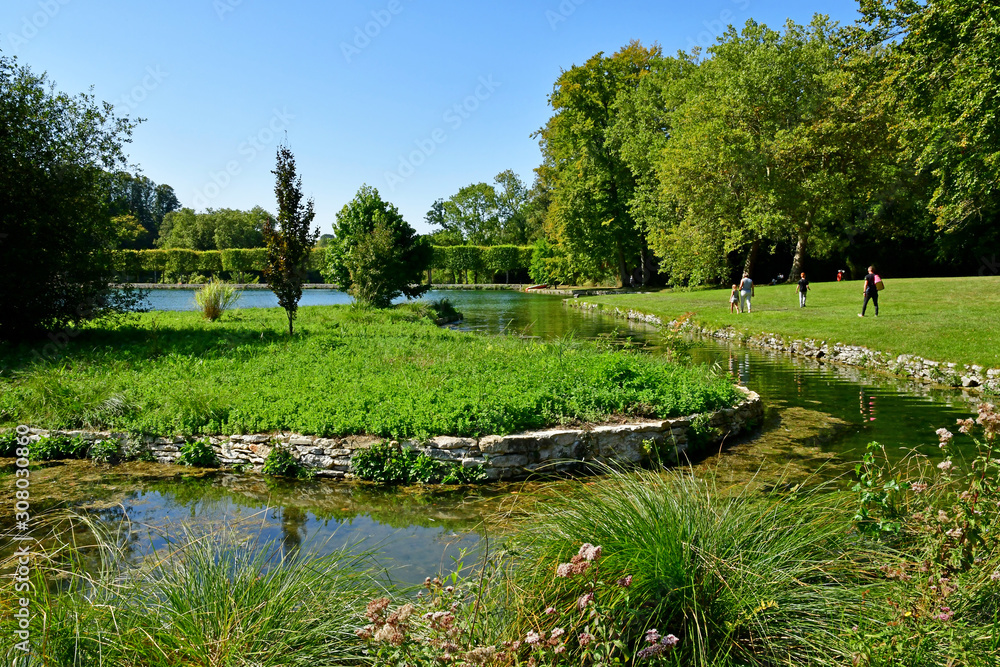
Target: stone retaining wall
<point>905,365</point>
<point>502,456</point>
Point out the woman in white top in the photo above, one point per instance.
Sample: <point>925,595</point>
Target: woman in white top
<point>746,291</point>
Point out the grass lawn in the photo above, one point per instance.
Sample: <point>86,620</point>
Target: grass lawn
<point>944,319</point>
<point>346,371</point>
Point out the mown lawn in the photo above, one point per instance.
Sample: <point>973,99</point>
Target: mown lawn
<point>944,319</point>
<point>347,371</point>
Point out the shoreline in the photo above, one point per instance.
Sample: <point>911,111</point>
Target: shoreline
<point>961,376</point>
<point>508,457</point>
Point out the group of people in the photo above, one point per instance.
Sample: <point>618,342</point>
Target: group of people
<point>742,294</point>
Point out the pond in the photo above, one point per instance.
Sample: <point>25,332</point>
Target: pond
<point>820,419</point>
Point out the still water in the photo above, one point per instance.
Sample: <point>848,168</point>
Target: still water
<point>820,419</point>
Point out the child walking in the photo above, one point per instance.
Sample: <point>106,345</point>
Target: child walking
<point>803,288</point>
<point>734,300</point>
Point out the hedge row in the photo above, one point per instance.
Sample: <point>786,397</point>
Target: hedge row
<point>478,258</point>
<point>177,261</point>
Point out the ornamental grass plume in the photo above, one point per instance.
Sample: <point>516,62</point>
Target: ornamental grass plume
<point>215,298</point>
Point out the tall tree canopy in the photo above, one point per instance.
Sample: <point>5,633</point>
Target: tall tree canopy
<point>591,185</point>
<point>56,229</point>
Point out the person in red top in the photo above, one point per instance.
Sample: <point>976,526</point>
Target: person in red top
<point>870,291</point>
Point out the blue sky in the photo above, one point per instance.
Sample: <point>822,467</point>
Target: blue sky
<point>415,98</point>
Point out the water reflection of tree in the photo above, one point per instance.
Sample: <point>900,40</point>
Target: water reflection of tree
<point>293,529</point>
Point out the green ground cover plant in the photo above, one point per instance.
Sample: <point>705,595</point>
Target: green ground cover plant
<point>388,463</point>
<point>352,371</point>
<point>944,319</point>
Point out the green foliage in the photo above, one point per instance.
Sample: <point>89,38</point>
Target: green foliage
<point>281,463</point>
<point>388,373</point>
<point>106,451</point>
<point>199,454</point>
<point>464,258</point>
<point>376,255</point>
<point>215,298</point>
<point>389,463</point>
<point>215,229</point>
<point>290,238</point>
<point>940,70</point>
<point>57,261</point>
<point>8,443</point>
<point>54,447</point>
<point>879,495</point>
<point>153,260</point>
<point>210,261</point>
<point>180,263</point>
<point>244,259</point>
<point>591,185</point>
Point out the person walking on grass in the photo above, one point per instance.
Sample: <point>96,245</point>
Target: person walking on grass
<point>803,288</point>
<point>870,291</point>
<point>734,299</point>
<point>746,291</point>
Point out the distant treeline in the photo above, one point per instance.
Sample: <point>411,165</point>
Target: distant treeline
<point>455,264</point>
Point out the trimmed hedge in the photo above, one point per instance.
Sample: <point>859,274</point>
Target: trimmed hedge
<point>177,261</point>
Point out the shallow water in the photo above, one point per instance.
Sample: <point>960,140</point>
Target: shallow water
<point>820,419</point>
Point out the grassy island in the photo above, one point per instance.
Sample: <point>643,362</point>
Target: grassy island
<point>346,371</point>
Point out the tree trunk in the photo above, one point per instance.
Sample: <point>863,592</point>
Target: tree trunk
<point>751,257</point>
<point>622,269</point>
<point>647,261</point>
<point>798,261</point>
<point>430,277</point>
<point>290,331</point>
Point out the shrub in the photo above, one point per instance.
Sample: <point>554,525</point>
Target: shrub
<point>215,298</point>
<point>376,255</point>
<point>54,447</point>
<point>106,451</point>
<point>8,443</point>
<point>281,463</point>
<point>199,454</point>
<point>180,262</point>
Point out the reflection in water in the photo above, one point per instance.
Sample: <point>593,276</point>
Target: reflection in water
<point>813,428</point>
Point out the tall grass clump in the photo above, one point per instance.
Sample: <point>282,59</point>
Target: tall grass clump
<point>200,600</point>
<point>215,298</point>
<point>734,579</point>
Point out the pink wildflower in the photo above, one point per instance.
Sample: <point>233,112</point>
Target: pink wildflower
<point>625,581</point>
<point>652,636</point>
<point>585,638</point>
<point>532,638</point>
<point>550,610</point>
<point>946,614</point>
<point>995,576</point>
<point>944,466</point>
<point>671,640</point>
<point>564,570</point>
<point>955,533</point>
<point>918,487</point>
<point>945,436</point>
<point>584,600</point>
<point>556,633</point>
<point>589,552</point>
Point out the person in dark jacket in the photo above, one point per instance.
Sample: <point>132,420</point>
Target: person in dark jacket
<point>870,291</point>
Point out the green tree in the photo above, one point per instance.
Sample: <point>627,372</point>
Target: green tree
<point>375,254</point>
<point>938,67</point>
<point>472,211</point>
<point>590,182</point>
<point>239,229</point>
<point>290,238</point>
<point>57,237</point>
